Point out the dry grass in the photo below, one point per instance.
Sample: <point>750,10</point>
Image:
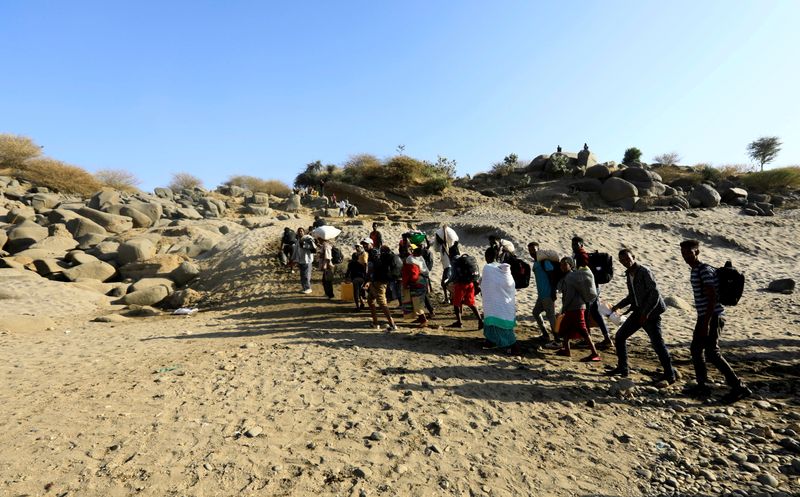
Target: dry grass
<point>59,176</point>
<point>670,174</point>
<point>15,150</point>
<point>118,179</point>
<point>184,181</point>
<point>773,180</point>
<point>254,184</point>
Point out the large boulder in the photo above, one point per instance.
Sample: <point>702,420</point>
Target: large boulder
<point>148,296</point>
<point>184,273</point>
<point>140,219</point>
<point>43,201</point>
<point>135,250</point>
<point>20,213</point>
<point>79,257</point>
<point>102,199</point>
<point>111,222</point>
<point>105,250</point>
<point>145,283</point>
<point>616,189</point>
<point>259,210</point>
<point>90,240</point>
<point>160,266</point>
<point>3,238</point>
<point>293,203</point>
<point>153,210</point>
<point>56,245</point>
<point>734,196</point>
<point>99,270</point>
<point>187,213</point>
<point>587,185</point>
<point>635,174</point>
<point>586,159</point>
<point>367,201</point>
<point>49,266</point>
<point>704,195</point>
<point>80,226</point>
<point>165,193</point>
<point>598,171</point>
<point>24,235</point>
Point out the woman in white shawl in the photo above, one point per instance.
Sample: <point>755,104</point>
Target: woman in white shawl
<point>499,301</point>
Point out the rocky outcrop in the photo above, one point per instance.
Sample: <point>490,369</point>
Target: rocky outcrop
<point>367,201</point>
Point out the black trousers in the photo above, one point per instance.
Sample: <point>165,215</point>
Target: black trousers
<point>706,349</point>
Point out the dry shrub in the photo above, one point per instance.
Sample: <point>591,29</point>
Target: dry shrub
<point>118,179</point>
<point>503,168</point>
<point>184,181</point>
<point>670,174</point>
<point>773,180</point>
<point>254,184</point>
<point>59,176</point>
<point>734,170</point>
<point>15,150</point>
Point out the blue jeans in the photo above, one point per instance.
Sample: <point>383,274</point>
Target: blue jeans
<point>305,276</point>
<point>653,329</point>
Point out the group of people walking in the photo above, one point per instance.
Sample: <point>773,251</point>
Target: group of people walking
<point>380,275</point>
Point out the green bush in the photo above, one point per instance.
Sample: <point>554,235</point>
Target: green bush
<point>632,155</point>
<point>436,185</point>
<point>772,180</point>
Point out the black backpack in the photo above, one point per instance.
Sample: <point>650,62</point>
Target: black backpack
<point>337,257</point>
<point>602,267</point>
<point>520,271</point>
<point>465,269</point>
<point>396,267</point>
<point>730,284</point>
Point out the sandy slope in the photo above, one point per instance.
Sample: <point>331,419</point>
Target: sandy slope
<point>160,406</point>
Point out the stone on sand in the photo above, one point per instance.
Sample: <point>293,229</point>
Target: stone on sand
<point>99,270</point>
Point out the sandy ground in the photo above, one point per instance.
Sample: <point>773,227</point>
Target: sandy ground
<point>271,392</point>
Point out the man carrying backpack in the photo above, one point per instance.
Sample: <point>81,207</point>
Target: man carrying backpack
<point>581,257</point>
<point>646,307</point>
<point>708,328</point>
<point>303,255</point>
<point>378,278</point>
<point>466,278</point>
<point>546,292</point>
<point>287,246</point>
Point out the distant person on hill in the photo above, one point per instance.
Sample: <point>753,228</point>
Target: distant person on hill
<point>708,328</point>
<point>546,276</point>
<point>582,260</point>
<point>378,277</point>
<point>577,288</point>
<point>303,255</point>
<point>499,302</point>
<point>333,200</point>
<point>342,207</point>
<point>376,236</point>
<point>646,307</point>
<point>403,247</point>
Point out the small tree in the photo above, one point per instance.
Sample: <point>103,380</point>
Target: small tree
<point>117,179</point>
<point>511,159</point>
<point>764,150</point>
<point>184,181</point>
<point>15,150</point>
<point>667,159</point>
<point>632,155</point>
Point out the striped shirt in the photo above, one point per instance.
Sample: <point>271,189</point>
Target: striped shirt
<point>704,275</point>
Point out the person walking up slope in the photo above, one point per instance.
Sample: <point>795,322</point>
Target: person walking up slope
<point>593,309</point>
<point>577,288</point>
<point>646,307</point>
<point>708,328</point>
<point>499,301</point>
<point>303,255</point>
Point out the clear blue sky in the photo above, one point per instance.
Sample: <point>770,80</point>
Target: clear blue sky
<point>218,88</point>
